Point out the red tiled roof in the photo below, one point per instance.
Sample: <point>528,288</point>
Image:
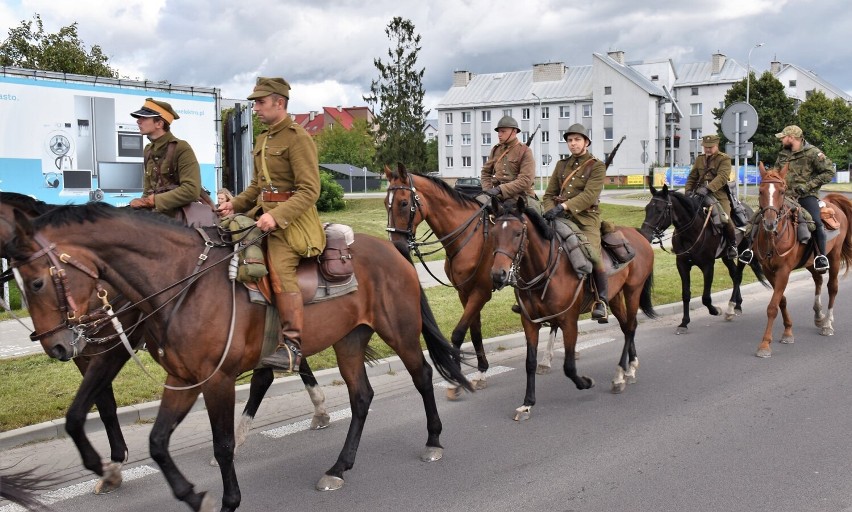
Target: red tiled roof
<point>343,117</point>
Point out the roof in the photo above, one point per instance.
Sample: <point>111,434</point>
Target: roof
<point>349,170</point>
<point>701,73</point>
<point>816,78</point>
<point>631,74</point>
<point>342,116</point>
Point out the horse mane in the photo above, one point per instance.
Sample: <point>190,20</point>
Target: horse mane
<point>687,202</point>
<point>25,203</point>
<point>444,186</point>
<point>542,225</point>
<point>63,215</point>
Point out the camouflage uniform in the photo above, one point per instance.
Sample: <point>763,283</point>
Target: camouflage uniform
<point>808,167</point>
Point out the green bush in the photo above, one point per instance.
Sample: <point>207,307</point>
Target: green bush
<point>331,194</point>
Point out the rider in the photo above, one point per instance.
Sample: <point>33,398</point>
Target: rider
<point>282,196</point>
<point>573,193</point>
<point>708,180</point>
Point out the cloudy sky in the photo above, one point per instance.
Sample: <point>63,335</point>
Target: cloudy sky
<point>325,48</point>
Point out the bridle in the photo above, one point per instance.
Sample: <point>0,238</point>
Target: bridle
<point>783,216</point>
<point>663,221</point>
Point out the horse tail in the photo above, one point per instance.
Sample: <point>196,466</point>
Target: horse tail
<point>645,298</point>
<point>18,488</point>
<point>757,268</point>
<point>846,205</point>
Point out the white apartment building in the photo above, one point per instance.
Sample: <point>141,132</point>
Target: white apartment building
<point>800,83</point>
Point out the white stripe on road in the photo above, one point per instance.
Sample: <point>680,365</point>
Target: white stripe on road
<point>299,426</point>
<point>494,370</point>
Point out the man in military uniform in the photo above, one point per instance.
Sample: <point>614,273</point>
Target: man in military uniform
<point>708,179</point>
<point>573,193</point>
<point>172,176</point>
<point>509,171</point>
<point>282,196</point>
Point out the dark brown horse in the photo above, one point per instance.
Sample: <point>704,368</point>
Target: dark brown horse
<point>216,333</point>
<point>527,256</point>
<point>777,247</point>
<point>461,226</point>
<point>100,363</point>
<point>694,243</point>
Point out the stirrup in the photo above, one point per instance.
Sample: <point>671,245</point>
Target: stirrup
<point>746,256</point>
<point>821,263</point>
<point>286,358</point>
<point>600,312</point>
<point>731,253</point>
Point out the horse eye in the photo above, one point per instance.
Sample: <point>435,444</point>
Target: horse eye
<point>37,284</point>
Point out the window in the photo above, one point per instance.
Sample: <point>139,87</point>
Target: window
<point>563,156</point>
<point>525,113</point>
<point>465,139</point>
<point>449,140</point>
<point>695,109</point>
<point>545,112</point>
<point>654,78</point>
<point>608,108</point>
<point>484,159</point>
<point>608,134</point>
<point>608,90</point>
<point>486,116</point>
<point>449,161</point>
<point>692,157</point>
<point>695,91</point>
<point>449,117</point>
<point>695,134</point>
<point>606,157</point>
<point>562,134</point>
<point>507,112</point>
<point>792,83</point>
<point>525,136</point>
<point>465,161</point>
<point>465,117</point>
<point>486,139</point>
<point>590,134</point>
<point>564,112</point>
<point>545,136</point>
<point>587,110</point>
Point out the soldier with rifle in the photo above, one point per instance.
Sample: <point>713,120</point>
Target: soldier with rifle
<point>510,169</point>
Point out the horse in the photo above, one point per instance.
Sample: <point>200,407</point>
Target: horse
<point>100,363</point>
<point>205,343</point>
<point>695,244</point>
<point>776,246</point>
<point>19,487</point>
<point>527,255</point>
<point>461,225</point>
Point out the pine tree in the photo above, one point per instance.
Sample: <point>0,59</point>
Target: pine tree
<point>397,98</point>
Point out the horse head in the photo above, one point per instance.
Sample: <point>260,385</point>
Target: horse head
<point>405,210</point>
<point>509,240</point>
<point>773,185</point>
<point>658,213</point>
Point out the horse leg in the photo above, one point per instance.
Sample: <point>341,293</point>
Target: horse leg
<point>350,359</point>
<point>706,299</point>
<point>735,304</point>
<point>219,396</point>
<point>479,380</point>
<point>174,407</point>
<point>470,320</point>
<point>625,312</point>
<point>531,331</point>
<point>569,366</point>
<point>787,320</point>
<point>826,322</point>
<point>683,269</point>
<point>321,419</point>
<point>544,365</point>
<point>779,283</point>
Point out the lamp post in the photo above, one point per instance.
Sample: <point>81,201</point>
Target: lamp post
<point>540,156</point>
<point>748,70</point>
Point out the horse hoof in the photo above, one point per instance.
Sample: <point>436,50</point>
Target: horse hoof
<point>826,331</point>
<point>110,481</point>
<point>542,370</point>
<point>764,352</point>
<point>787,340</point>
<point>729,316</point>
<point>576,355</point>
<point>522,413</point>
<point>618,387</point>
<point>453,393</point>
<point>214,463</point>
<point>681,330</point>
<point>320,421</point>
<point>208,504</point>
<point>713,310</point>
<point>329,483</point>
<point>432,453</point>
<point>478,384</point>
<point>738,311</point>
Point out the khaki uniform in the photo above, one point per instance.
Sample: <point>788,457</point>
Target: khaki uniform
<point>291,160</point>
<point>805,167</point>
<point>511,167</point>
<point>173,188</point>
<point>581,194</point>
<point>713,172</point>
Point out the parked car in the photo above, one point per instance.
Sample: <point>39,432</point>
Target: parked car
<point>469,186</point>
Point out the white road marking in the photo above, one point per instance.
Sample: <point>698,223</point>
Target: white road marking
<point>299,426</point>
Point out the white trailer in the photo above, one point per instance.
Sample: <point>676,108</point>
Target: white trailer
<point>70,138</point>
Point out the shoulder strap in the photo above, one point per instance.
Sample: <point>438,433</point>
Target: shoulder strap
<point>588,170</point>
<point>168,160</point>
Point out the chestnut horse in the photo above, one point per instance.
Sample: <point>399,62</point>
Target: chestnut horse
<point>100,363</point>
<point>461,225</point>
<point>776,246</point>
<point>527,256</point>
<point>216,334</point>
<point>694,243</point>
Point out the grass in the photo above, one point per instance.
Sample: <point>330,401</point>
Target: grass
<point>36,388</point>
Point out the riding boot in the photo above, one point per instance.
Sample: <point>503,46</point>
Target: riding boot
<point>600,311</point>
<point>730,235</point>
<point>747,254</point>
<point>516,308</point>
<point>288,355</point>
<point>821,261</point>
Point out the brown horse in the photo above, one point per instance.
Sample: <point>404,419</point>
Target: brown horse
<point>100,363</point>
<point>216,333</point>
<point>527,256</point>
<point>461,225</point>
<point>776,246</point>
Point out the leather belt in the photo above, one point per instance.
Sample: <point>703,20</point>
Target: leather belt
<point>275,197</point>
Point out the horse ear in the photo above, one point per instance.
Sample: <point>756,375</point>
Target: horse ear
<point>654,190</point>
<point>403,173</point>
<point>23,226</point>
<point>522,203</point>
<point>784,170</point>
<point>388,172</point>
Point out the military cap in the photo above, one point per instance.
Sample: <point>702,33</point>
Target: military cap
<point>579,129</point>
<point>266,86</point>
<point>792,131</point>
<point>507,122</point>
<point>708,141</point>
<point>156,108</point>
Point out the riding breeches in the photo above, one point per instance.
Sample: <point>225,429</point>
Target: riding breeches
<point>284,260</point>
<point>811,204</point>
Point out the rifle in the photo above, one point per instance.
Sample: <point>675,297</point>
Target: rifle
<point>613,152</point>
<point>529,141</point>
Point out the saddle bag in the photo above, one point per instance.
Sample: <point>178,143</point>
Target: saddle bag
<point>336,259</point>
<point>197,214</point>
<point>618,246</point>
<point>826,214</point>
<point>252,267</point>
<point>805,226</point>
<point>577,249</point>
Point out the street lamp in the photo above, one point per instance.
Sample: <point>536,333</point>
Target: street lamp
<point>748,70</point>
<point>540,155</point>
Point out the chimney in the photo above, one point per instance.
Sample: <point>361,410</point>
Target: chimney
<point>461,78</point>
<point>718,62</point>
<point>617,56</point>
<point>312,115</point>
<point>548,72</point>
<point>775,67</point>
<point>340,108</point>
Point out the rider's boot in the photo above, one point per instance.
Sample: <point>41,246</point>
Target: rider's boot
<point>600,310</point>
<point>516,308</point>
<point>288,355</point>
<point>821,261</point>
<point>730,235</point>
<point>747,254</point>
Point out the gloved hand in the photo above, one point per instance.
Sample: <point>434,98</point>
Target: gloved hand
<point>701,191</point>
<point>143,202</point>
<point>800,189</point>
<point>493,192</point>
<point>554,212</point>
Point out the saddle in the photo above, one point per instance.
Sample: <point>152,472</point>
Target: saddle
<point>829,220</point>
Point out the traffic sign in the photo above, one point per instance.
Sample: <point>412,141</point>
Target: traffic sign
<point>747,121</point>
<point>546,159</point>
<point>746,149</point>
<point>644,157</point>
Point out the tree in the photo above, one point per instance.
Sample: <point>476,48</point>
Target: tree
<point>431,155</point>
<point>331,194</point>
<point>338,145</point>
<point>827,124</point>
<point>62,51</point>
<point>397,96</point>
<point>775,110</point>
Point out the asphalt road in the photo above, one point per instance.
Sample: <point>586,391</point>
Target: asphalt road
<point>707,427</point>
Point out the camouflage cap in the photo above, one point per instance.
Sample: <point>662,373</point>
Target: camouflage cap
<point>266,86</point>
<point>156,108</point>
<point>792,131</point>
<point>708,141</point>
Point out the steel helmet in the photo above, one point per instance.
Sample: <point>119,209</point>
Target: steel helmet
<point>578,129</point>
<point>507,122</point>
